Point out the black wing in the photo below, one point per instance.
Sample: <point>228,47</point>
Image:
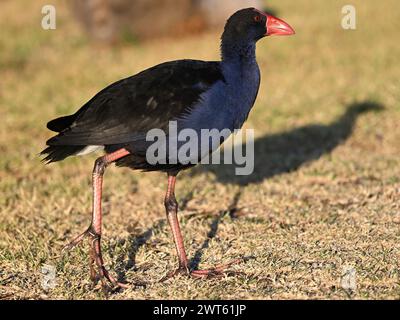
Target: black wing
<point>127,109</point>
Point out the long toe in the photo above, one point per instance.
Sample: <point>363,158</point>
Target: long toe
<point>218,271</point>
<point>114,282</point>
<point>77,240</point>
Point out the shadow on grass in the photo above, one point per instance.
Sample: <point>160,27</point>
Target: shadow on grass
<point>287,151</point>
<point>195,261</point>
<point>136,242</point>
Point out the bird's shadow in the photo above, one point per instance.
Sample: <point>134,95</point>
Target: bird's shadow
<point>195,261</point>
<point>287,151</point>
<point>274,154</point>
<point>135,243</point>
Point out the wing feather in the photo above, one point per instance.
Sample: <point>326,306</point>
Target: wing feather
<point>124,111</point>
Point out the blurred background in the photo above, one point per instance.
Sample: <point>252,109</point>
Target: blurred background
<point>110,21</point>
<point>324,194</point>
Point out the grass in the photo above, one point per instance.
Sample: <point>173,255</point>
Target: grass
<point>324,194</point>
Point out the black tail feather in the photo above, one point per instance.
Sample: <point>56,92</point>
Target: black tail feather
<point>58,153</point>
<point>61,123</point>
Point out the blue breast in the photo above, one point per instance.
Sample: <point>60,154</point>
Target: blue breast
<point>226,104</point>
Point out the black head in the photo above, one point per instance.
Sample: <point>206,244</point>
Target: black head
<point>250,25</point>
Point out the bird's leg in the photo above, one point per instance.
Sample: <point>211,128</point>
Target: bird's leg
<point>171,207</point>
<point>94,230</point>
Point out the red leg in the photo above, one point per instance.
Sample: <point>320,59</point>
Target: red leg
<point>94,230</point>
<point>171,207</point>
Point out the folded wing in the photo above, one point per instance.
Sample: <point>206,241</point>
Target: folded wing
<point>124,111</point>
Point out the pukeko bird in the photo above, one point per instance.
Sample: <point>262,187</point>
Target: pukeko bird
<point>195,94</point>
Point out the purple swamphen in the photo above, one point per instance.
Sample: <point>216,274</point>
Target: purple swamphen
<point>195,94</point>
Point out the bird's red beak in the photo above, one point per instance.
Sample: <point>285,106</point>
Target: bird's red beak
<point>277,27</point>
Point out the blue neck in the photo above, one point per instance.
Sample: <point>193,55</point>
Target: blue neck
<point>242,75</point>
<point>242,53</point>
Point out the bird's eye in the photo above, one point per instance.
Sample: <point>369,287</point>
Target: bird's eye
<point>257,18</point>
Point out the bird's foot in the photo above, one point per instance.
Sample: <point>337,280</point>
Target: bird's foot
<point>218,271</point>
<point>96,257</point>
<point>103,275</point>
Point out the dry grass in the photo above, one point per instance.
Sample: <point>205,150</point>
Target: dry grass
<point>324,195</point>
